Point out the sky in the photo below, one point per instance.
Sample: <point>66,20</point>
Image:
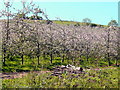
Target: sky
<point>100,12</point>
<point>66,0</point>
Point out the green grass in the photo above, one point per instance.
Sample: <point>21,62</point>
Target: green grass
<point>107,78</point>
<point>104,78</point>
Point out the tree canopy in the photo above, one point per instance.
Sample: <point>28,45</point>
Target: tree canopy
<point>113,23</point>
<point>87,20</point>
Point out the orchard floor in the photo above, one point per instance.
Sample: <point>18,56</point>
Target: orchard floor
<point>22,74</point>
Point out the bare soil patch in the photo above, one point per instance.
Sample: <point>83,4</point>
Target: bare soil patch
<point>18,74</point>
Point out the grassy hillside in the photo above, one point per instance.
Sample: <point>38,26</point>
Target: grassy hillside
<point>63,22</point>
<point>75,23</point>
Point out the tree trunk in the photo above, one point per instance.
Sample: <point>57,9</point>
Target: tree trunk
<point>51,58</point>
<point>22,57</point>
<point>8,20</point>
<point>4,59</point>
<point>87,54</point>
<point>63,58</point>
<point>38,59</point>
<point>38,52</point>
<point>80,60</point>
<point>108,57</point>
<point>44,55</point>
<point>73,60</point>
<point>4,56</point>
<point>116,61</point>
<point>108,47</point>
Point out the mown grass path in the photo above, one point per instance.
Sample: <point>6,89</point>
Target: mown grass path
<point>19,74</point>
<point>22,74</point>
